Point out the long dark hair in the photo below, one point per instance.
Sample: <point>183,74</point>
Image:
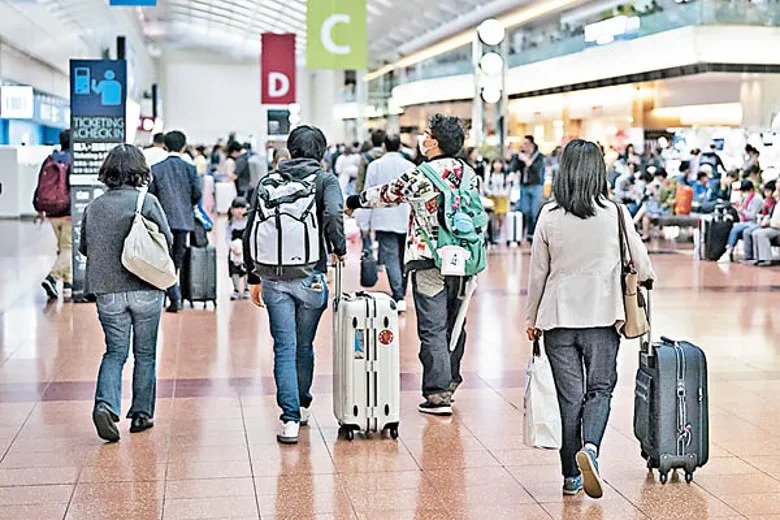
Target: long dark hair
<point>581,183</point>
<point>125,165</point>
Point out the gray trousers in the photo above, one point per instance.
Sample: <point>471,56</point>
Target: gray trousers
<point>762,243</point>
<point>584,397</point>
<point>437,301</point>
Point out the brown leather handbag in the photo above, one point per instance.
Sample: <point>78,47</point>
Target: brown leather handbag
<point>634,302</point>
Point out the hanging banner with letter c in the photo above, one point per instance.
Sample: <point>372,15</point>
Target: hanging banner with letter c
<point>277,66</point>
<point>336,35</point>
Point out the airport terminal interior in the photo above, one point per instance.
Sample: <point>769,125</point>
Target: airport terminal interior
<point>407,192</point>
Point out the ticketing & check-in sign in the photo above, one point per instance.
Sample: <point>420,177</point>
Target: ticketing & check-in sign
<point>98,93</point>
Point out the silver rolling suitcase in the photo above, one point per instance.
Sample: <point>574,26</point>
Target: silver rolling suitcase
<point>366,362</point>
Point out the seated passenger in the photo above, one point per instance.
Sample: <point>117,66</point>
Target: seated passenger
<point>700,188</point>
<point>659,202</point>
<point>127,306</point>
<point>748,210</point>
<point>770,231</point>
<point>763,220</point>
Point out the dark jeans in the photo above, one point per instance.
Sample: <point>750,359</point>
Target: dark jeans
<point>529,205</point>
<point>294,311</point>
<point>178,250</point>
<point>391,254</point>
<point>437,300</point>
<point>124,316</point>
<point>584,399</point>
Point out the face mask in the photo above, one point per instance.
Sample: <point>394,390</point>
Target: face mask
<point>421,144</point>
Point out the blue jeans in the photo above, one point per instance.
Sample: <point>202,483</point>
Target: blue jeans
<point>584,399</point>
<point>529,205</point>
<point>736,232</point>
<point>391,254</point>
<point>294,311</point>
<point>124,316</point>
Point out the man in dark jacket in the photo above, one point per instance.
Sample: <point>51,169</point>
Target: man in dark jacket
<point>296,295</point>
<point>177,186</point>
<point>531,167</point>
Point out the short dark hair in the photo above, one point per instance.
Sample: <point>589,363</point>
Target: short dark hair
<point>158,138</point>
<point>531,140</point>
<point>448,131</point>
<point>770,186</point>
<point>392,142</point>
<point>65,139</point>
<point>175,141</point>
<point>746,185</point>
<point>378,137</point>
<point>239,202</point>
<point>247,146</point>
<point>581,183</point>
<point>702,174</point>
<point>307,142</point>
<point>685,166</point>
<point>233,147</point>
<point>660,172</point>
<point>125,165</point>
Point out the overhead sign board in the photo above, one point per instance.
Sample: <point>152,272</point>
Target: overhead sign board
<point>336,36</point>
<point>98,95</point>
<point>277,65</point>
<point>142,3</point>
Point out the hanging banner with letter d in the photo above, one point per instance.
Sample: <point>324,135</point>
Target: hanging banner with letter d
<point>277,66</point>
<point>336,34</point>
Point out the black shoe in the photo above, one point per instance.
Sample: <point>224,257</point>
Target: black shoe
<point>49,285</point>
<point>141,423</point>
<point>105,423</point>
<point>435,409</point>
<point>174,307</point>
<point>765,263</point>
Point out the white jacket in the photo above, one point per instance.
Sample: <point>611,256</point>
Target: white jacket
<point>575,269</point>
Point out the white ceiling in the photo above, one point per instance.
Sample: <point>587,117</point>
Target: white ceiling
<point>233,27</point>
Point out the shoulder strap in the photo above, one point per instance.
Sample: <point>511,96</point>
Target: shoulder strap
<point>141,197</point>
<point>622,237</point>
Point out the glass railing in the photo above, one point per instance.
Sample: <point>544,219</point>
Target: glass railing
<point>699,12</point>
<point>703,12</point>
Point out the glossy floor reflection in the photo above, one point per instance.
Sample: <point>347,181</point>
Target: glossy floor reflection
<point>213,453</point>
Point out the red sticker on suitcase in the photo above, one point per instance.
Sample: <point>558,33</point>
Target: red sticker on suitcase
<point>386,337</point>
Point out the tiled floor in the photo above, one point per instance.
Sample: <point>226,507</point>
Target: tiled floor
<point>213,452</point>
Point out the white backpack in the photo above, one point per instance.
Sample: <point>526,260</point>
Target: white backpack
<point>284,232</point>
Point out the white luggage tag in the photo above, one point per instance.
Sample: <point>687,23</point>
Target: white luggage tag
<point>453,260</point>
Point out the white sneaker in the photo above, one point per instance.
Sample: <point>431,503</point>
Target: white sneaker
<point>288,433</point>
<point>401,305</point>
<point>305,416</point>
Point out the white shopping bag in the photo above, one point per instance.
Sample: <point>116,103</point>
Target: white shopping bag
<point>542,414</point>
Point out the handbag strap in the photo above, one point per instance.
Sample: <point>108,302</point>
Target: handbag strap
<point>139,205</point>
<point>622,237</point>
<point>537,348</point>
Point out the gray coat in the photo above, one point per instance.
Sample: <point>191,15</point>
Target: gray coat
<point>106,223</point>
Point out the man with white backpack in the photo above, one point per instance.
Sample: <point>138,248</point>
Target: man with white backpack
<point>296,211</point>
<point>445,250</point>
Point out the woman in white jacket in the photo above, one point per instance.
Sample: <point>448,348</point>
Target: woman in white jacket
<point>575,300</point>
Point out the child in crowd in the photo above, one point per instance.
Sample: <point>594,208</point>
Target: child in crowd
<point>235,232</point>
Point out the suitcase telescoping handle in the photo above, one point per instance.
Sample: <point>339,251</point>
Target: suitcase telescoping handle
<point>647,340</point>
<point>339,274</point>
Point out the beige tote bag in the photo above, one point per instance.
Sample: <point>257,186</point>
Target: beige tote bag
<point>634,303</point>
<point>145,252</point>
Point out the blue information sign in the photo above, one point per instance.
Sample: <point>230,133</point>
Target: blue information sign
<point>142,3</point>
<point>98,91</point>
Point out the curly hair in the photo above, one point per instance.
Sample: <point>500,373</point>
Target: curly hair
<point>449,131</point>
<point>125,165</point>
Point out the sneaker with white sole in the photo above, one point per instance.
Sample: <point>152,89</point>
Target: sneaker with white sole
<point>288,433</point>
<point>572,485</point>
<point>401,305</point>
<point>305,416</point>
<point>589,469</point>
<point>435,409</point>
<point>49,285</point>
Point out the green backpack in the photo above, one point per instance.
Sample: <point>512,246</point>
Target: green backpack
<point>465,221</point>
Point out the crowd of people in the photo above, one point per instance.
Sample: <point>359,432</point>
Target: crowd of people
<point>403,193</point>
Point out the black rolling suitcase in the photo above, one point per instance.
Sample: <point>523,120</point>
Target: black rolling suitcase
<point>199,275</point>
<point>714,232</point>
<point>671,406</point>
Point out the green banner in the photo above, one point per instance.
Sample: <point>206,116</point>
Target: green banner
<point>336,34</point>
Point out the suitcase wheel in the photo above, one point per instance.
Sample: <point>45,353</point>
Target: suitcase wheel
<point>393,431</point>
<point>663,477</point>
<point>350,435</point>
<point>688,477</point>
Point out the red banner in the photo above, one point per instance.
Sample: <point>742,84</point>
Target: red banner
<point>277,68</point>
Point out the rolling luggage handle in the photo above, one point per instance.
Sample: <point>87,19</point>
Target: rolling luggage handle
<point>646,341</point>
